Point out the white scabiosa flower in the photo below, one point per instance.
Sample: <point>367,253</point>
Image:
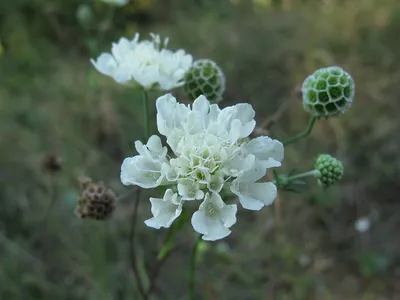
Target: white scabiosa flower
<point>144,63</point>
<point>148,168</point>
<point>210,150</point>
<point>165,210</point>
<point>254,195</point>
<point>214,218</point>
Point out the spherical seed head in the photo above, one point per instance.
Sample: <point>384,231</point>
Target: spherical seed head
<point>330,170</point>
<point>328,92</point>
<point>96,201</point>
<point>205,78</point>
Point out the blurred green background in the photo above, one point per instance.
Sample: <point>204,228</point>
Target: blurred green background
<point>55,105</point>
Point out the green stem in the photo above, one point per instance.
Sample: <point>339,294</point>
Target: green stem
<point>168,244</point>
<point>302,175</point>
<point>146,112</point>
<point>132,246</point>
<point>192,269</point>
<point>165,251</point>
<point>302,134</point>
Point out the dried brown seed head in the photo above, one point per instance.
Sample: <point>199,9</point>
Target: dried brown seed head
<point>96,201</point>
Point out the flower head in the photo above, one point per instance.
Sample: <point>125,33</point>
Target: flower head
<point>144,63</point>
<point>210,150</point>
<point>330,170</point>
<point>206,78</point>
<point>96,201</point>
<point>328,92</point>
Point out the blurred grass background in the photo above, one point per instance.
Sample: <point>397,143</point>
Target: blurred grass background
<point>54,104</point>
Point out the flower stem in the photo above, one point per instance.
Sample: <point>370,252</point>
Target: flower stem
<point>302,134</point>
<point>302,175</point>
<point>146,113</point>
<point>165,251</point>
<point>163,255</point>
<point>132,248</point>
<point>192,269</point>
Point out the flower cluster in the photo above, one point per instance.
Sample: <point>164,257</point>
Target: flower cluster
<point>211,151</point>
<point>145,63</point>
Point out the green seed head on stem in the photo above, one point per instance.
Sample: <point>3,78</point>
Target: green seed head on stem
<point>328,92</point>
<point>330,170</point>
<point>206,78</point>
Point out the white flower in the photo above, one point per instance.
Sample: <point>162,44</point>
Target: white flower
<point>190,190</point>
<point>209,151</point>
<point>142,171</point>
<point>116,2</point>
<point>362,224</point>
<point>148,169</point>
<point>267,151</point>
<point>165,210</point>
<point>214,218</point>
<point>253,195</point>
<point>144,63</point>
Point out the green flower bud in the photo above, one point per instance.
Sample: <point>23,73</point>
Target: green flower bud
<point>205,78</point>
<point>330,170</point>
<point>328,92</point>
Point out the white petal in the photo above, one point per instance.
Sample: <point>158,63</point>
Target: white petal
<point>170,172</point>
<point>228,215</point>
<point>166,106</point>
<point>216,231</point>
<point>214,112</point>
<point>239,164</point>
<point>200,222</point>
<point>254,196</point>
<point>265,148</point>
<point>235,130</point>
<point>142,171</point>
<point>247,129</point>
<point>253,175</point>
<point>153,149</point>
<point>202,105</point>
<point>165,210</point>
<point>154,145</point>
<point>105,64</point>
<point>250,203</point>
<point>245,112</point>
<point>264,191</point>
<point>190,190</point>
<point>214,217</point>
<point>216,183</point>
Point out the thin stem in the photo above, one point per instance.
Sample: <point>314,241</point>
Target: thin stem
<point>51,193</point>
<point>132,248</point>
<point>192,269</point>
<point>165,251</point>
<point>302,175</point>
<point>154,275</point>
<point>302,134</point>
<point>133,254</point>
<point>146,113</point>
